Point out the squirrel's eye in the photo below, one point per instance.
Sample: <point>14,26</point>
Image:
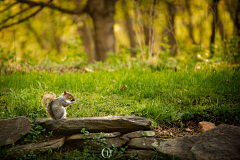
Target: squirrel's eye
<point>69,94</point>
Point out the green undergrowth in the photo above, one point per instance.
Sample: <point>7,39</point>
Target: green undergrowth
<point>163,95</point>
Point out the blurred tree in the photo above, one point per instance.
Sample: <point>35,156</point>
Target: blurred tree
<point>129,27</point>
<point>56,38</point>
<point>233,7</point>
<point>214,8</point>
<point>85,31</point>
<point>171,25</point>
<point>190,25</point>
<point>148,27</point>
<point>101,12</point>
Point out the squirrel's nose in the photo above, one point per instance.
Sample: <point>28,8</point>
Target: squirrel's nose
<point>73,99</point>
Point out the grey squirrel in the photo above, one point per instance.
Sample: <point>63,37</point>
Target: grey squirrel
<point>56,106</point>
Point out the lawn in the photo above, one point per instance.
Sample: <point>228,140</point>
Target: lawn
<point>165,96</point>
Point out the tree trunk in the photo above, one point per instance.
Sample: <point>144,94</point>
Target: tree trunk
<point>234,10</point>
<point>237,23</point>
<point>170,33</point>
<point>214,25</point>
<point>85,33</point>
<point>222,30</point>
<point>190,25</point>
<point>102,13</point>
<point>129,26</point>
<point>86,36</point>
<point>146,30</point>
<point>151,26</point>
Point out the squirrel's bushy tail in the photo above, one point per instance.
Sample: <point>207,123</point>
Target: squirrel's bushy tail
<point>47,97</point>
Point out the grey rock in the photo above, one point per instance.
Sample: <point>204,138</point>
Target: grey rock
<point>222,142</point>
<point>13,129</point>
<point>145,143</point>
<point>118,142</point>
<point>122,124</point>
<point>180,146</point>
<point>36,148</point>
<point>139,134</point>
<point>76,137</point>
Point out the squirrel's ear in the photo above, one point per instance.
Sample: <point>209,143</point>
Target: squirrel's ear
<point>65,91</point>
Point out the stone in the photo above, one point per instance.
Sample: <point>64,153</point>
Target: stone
<point>118,142</point>
<point>139,134</point>
<point>205,126</point>
<point>13,129</point>
<point>122,124</point>
<point>76,137</point>
<point>145,143</point>
<point>222,142</point>
<point>37,148</point>
<point>142,154</point>
<point>180,146</point>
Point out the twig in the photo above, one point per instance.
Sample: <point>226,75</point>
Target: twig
<point>24,10</point>
<point>50,5</point>
<point>22,20</point>
<point>7,8</point>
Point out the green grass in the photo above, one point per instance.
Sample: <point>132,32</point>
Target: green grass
<point>163,95</point>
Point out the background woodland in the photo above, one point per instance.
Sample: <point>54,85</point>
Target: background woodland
<point>169,33</point>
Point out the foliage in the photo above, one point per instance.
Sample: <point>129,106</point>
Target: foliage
<point>36,133</point>
<point>166,95</point>
<point>52,39</point>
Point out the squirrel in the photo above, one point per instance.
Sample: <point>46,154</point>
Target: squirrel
<point>56,106</point>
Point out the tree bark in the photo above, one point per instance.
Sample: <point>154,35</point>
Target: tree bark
<point>236,22</point>
<point>130,31</point>
<point>146,31</point>
<point>234,10</point>
<point>170,32</point>
<point>190,25</point>
<point>237,19</point>
<point>56,38</point>
<point>85,33</point>
<point>151,26</point>
<point>102,13</point>
<point>214,25</point>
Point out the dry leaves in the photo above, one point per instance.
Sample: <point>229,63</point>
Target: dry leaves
<point>124,87</point>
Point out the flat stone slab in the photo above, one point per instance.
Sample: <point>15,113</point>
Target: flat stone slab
<point>37,148</point>
<point>122,124</point>
<point>13,129</point>
<point>76,137</point>
<point>145,143</point>
<point>139,134</point>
